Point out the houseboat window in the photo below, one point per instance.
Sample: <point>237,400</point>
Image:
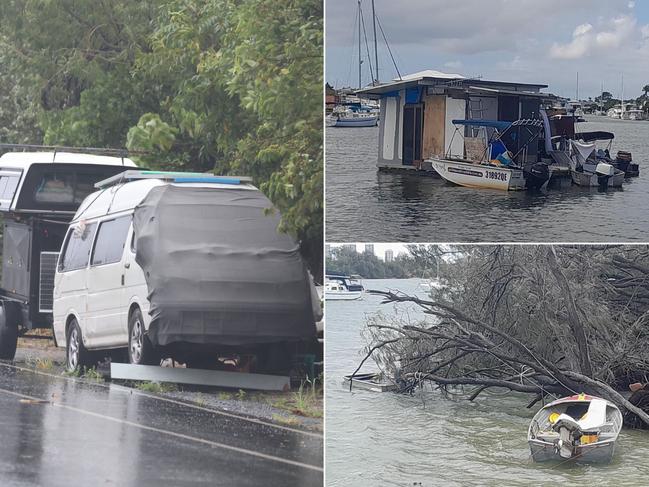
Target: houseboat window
<point>111,239</point>
<point>8,183</point>
<point>77,247</point>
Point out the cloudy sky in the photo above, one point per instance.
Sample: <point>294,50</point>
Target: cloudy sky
<point>544,41</point>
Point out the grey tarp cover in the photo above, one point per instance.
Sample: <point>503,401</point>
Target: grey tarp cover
<point>218,271</point>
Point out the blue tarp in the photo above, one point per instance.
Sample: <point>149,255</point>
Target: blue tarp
<point>413,95</point>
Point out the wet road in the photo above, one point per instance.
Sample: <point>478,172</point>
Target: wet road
<point>105,434</point>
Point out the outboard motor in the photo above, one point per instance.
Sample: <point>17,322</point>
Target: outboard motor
<point>569,435</point>
<point>604,173</point>
<point>537,175</point>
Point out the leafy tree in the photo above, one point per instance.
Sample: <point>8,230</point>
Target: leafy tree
<point>230,86</point>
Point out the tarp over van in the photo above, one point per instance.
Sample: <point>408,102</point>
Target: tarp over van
<point>218,271</point>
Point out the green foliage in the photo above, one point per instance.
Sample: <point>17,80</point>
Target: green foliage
<point>156,387</point>
<point>230,86</point>
<point>420,261</point>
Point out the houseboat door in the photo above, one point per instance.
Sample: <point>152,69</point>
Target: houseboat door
<point>412,129</point>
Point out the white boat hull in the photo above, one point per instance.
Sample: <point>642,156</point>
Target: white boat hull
<point>601,452</point>
<point>591,179</point>
<point>369,121</point>
<point>343,295</point>
<point>479,175</point>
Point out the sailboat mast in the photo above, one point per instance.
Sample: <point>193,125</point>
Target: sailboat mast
<point>360,61</point>
<point>376,53</point>
<point>577,85</point>
<point>623,107</point>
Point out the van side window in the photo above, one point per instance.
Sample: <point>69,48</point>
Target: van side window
<point>77,248</point>
<point>111,238</point>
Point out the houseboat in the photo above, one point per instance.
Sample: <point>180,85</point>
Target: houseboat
<point>417,114</point>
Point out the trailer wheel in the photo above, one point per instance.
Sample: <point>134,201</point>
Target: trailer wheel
<point>77,356</point>
<point>140,348</point>
<point>9,317</point>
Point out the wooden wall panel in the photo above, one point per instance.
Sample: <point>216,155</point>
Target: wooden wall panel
<point>434,125</point>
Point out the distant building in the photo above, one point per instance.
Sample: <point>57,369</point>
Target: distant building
<point>328,252</point>
<point>369,248</point>
<point>349,247</point>
<point>389,255</point>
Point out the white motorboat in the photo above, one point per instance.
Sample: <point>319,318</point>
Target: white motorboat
<point>582,428</point>
<point>495,167</point>
<point>336,291</point>
<point>474,175</point>
<point>586,170</point>
<point>348,117</point>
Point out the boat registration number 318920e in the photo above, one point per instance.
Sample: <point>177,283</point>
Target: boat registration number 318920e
<point>501,176</point>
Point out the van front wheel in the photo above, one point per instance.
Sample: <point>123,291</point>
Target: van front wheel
<point>140,349</point>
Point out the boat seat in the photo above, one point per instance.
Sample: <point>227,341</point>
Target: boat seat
<point>595,417</point>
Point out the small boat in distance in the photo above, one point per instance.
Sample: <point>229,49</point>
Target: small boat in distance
<point>582,428</point>
<point>351,116</point>
<point>343,288</point>
<point>335,291</point>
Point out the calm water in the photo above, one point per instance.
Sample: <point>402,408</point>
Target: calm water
<point>365,205</point>
<point>387,439</point>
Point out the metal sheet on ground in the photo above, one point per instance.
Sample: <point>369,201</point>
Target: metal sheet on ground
<point>218,378</point>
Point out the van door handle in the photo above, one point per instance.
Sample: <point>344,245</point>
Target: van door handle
<point>127,265</point>
<point>122,279</point>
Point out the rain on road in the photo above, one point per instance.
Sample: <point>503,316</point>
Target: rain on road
<point>57,430</point>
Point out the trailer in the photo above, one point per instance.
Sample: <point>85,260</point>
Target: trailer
<point>41,188</point>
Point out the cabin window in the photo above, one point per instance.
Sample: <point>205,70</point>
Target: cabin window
<point>111,239</point>
<point>412,129</point>
<point>77,247</point>
<point>8,183</point>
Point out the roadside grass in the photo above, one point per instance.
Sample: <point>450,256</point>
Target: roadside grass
<point>225,396</point>
<point>200,401</point>
<point>306,401</point>
<point>156,387</point>
<point>93,375</point>
<point>285,420</point>
<point>71,373</point>
<point>41,363</point>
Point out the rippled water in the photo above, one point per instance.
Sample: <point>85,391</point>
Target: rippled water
<point>365,205</point>
<point>388,439</point>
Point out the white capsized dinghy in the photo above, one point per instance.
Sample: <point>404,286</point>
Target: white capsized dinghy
<point>581,427</point>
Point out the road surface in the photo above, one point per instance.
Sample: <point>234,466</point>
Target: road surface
<point>57,431</point>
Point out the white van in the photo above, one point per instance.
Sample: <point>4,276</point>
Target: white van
<point>188,266</point>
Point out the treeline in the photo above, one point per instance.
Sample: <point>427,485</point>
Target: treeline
<point>607,101</point>
<point>418,261</point>
<point>230,86</point>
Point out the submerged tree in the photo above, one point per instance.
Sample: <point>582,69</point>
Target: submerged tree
<point>542,320</point>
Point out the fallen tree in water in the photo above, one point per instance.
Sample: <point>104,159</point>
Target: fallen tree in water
<point>541,320</point>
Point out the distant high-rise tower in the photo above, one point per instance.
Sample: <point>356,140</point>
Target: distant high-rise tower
<point>369,248</point>
<point>350,247</point>
<point>389,255</point>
